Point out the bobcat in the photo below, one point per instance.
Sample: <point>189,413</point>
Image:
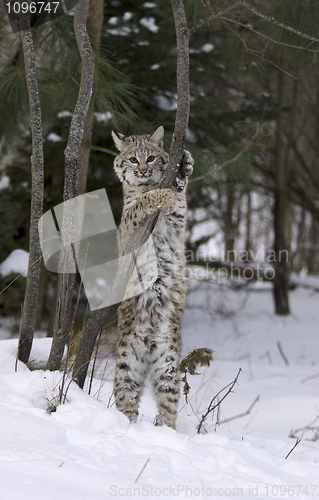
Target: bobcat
<point>149,325</point>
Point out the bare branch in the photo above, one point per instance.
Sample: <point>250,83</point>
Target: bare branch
<point>278,23</point>
<point>202,22</point>
<point>227,162</point>
<point>258,13</point>
<point>104,150</point>
<point>257,52</point>
<point>212,404</point>
<point>270,39</point>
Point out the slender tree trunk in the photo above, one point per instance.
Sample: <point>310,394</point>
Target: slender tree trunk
<point>95,22</point>
<point>140,236</point>
<point>281,279</point>
<point>248,227</point>
<point>31,294</point>
<point>229,228</point>
<point>66,279</point>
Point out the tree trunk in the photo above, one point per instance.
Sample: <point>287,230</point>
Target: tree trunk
<point>229,228</point>
<point>95,22</point>
<point>31,294</point>
<point>141,234</point>
<point>281,279</point>
<point>66,279</point>
<point>248,226</point>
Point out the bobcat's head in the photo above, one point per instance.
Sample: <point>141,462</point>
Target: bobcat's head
<point>142,158</point>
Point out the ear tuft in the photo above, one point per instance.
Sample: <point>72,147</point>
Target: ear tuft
<point>158,135</point>
<point>118,140</point>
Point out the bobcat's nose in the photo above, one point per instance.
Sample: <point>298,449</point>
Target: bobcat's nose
<point>143,170</point>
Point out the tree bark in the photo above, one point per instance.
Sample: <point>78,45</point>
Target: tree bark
<point>32,286</point>
<point>140,236</point>
<point>66,279</point>
<point>95,22</point>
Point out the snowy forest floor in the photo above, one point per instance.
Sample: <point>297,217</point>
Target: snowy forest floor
<point>87,450</point>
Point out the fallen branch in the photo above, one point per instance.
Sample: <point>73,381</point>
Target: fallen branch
<point>292,449</point>
<point>284,357</point>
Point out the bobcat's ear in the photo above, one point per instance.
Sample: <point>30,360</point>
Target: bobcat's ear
<point>118,140</point>
<point>158,135</point>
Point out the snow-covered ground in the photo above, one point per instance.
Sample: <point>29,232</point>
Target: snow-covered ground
<point>87,449</point>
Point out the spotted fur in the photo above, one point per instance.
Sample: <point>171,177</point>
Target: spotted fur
<point>149,325</point>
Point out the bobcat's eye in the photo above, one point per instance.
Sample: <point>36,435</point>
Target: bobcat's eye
<point>133,159</point>
<point>150,159</point>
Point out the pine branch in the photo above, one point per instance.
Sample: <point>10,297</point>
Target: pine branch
<point>231,160</point>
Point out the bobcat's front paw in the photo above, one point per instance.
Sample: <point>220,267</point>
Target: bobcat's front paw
<point>187,164</point>
<point>185,171</point>
<point>167,202</point>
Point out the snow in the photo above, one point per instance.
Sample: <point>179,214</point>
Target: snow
<point>149,23</point>
<point>17,262</point>
<point>103,117</point>
<point>4,182</point>
<point>64,114</point>
<point>87,450</point>
<point>207,47</point>
<point>53,137</point>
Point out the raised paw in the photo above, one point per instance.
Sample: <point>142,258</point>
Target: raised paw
<point>185,171</point>
<point>167,202</point>
<point>187,164</point>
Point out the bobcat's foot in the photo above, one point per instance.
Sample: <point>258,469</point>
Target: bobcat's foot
<point>168,420</point>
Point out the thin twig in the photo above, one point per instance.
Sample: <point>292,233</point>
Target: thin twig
<point>284,357</point>
<point>292,449</point>
<point>258,13</point>
<point>226,420</point>
<point>142,471</point>
<point>15,279</point>
<point>217,15</point>
<point>256,53</point>
<point>231,160</point>
<point>212,406</point>
<point>270,39</point>
<point>311,377</point>
<point>104,150</point>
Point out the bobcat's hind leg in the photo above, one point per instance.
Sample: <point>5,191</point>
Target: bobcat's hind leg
<point>129,377</point>
<point>165,376</point>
